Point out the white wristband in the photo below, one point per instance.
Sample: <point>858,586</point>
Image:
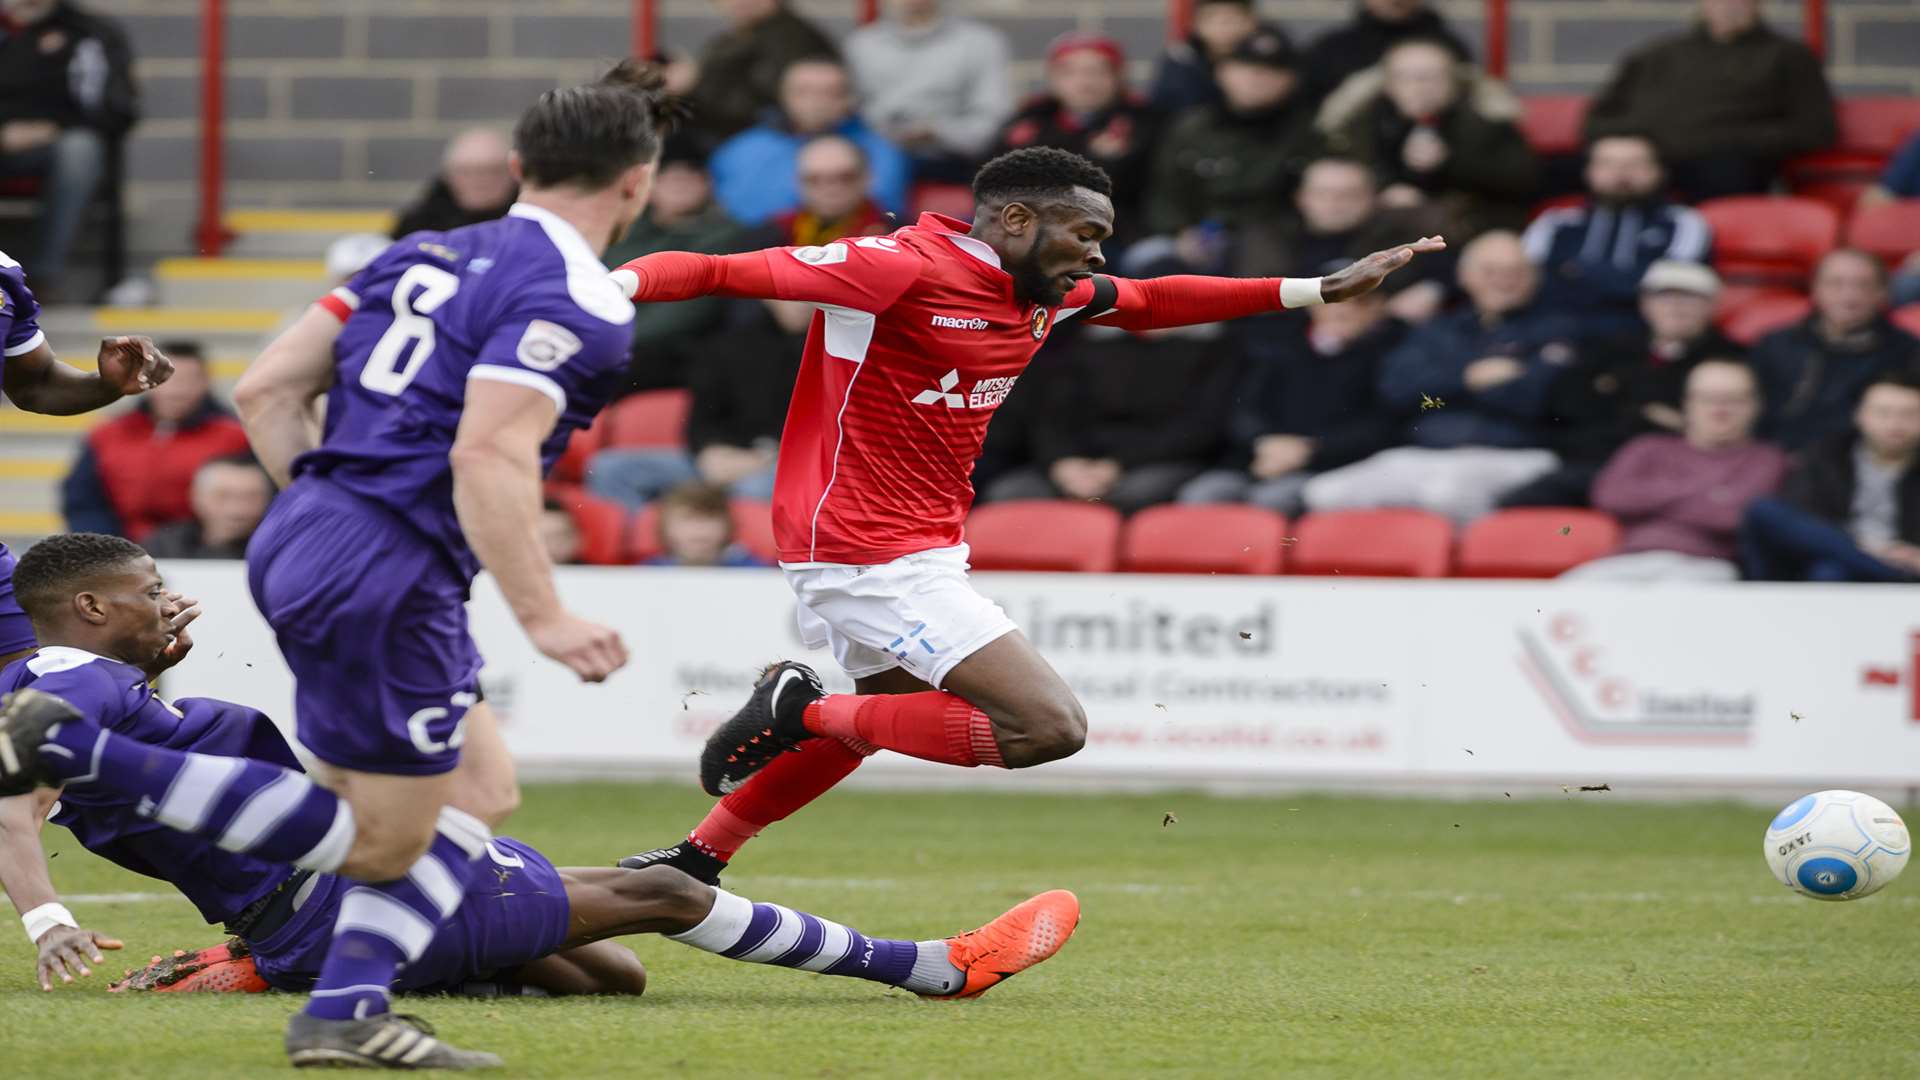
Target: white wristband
<point>46,917</point>
<point>1300,292</point>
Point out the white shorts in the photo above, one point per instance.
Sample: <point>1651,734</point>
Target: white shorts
<point>918,612</point>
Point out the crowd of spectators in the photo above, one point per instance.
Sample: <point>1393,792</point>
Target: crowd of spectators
<point>1564,352</point>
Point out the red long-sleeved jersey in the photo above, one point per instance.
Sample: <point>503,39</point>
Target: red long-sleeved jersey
<point>918,340</point>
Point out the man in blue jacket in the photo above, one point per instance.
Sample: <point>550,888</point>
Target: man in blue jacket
<point>755,173</point>
<point>1475,386</point>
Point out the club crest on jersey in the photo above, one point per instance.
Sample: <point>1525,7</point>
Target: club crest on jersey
<point>1039,321</point>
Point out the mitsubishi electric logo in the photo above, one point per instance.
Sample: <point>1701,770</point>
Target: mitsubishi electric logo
<point>951,322</point>
<point>986,394</point>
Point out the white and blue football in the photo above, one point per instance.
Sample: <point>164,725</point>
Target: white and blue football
<point>1837,845</point>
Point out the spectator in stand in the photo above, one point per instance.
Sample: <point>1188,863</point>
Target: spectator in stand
<point>1900,181</point>
<point>835,202</point>
<point>1340,219</point>
<point>1441,137</point>
<point>1225,166</point>
<point>1305,404</point>
<point>1185,79</point>
<point>740,70</point>
<point>1680,497</point>
<point>696,529</point>
<point>1593,257</point>
<point>681,216</point>
<point>1812,373</point>
<point>66,99</point>
<point>229,497</point>
<point>1088,109</point>
<point>135,471</point>
<point>474,185</point>
<point>1475,383</point>
<point>1630,384</point>
<point>1126,419</point>
<point>559,533</point>
<point>1377,26</point>
<point>937,87</point>
<point>1726,102</point>
<point>1850,508</point>
<point>756,174</point>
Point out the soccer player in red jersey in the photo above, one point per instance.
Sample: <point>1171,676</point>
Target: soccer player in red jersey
<point>919,337</point>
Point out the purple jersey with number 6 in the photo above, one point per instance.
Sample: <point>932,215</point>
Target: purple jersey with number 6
<point>522,300</point>
<point>19,335</point>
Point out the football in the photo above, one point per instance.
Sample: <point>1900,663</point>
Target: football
<point>1837,845</point>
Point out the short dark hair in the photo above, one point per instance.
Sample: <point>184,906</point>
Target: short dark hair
<point>184,350</point>
<point>1037,172</point>
<point>1900,378</point>
<point>588,135</point>
<point>706,500</point>
<point>48,574</point>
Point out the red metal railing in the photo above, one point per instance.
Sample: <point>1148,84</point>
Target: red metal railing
<point>210,234</point>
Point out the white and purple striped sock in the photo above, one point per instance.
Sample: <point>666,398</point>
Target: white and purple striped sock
<point>739,929</point>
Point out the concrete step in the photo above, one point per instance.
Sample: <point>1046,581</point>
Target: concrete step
<point>298,233</point>
<point>30,497</point>
<point>220,331</point>
<point>279,284</point>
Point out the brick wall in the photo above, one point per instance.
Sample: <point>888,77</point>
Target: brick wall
<point>347,102</point>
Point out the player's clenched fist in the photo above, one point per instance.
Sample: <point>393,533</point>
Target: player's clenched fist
<point>65,950</point>
<point>133,365</point>
<point>591,650</point>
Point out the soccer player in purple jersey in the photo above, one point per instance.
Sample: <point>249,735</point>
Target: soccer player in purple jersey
<point>455,366</point>
<point>37,382</point>
<point>80,716</point>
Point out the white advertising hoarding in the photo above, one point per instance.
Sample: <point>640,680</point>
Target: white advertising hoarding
<point>1229,679</point>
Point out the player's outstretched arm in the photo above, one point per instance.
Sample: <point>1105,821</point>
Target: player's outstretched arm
<point>496,494</point>
<point>38,382</point>
<point>277,394</point>
<point>866,275</point>
<point>64,947</point>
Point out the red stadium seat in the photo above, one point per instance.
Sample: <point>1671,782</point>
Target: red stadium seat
<point>1907,318</point>
<point>1553,123</point>
<point>752,530</point>
<point>1222,539</point>
<point>655,418</point>
<point>1748,315</point>
<point>1045,534</point>
<point>1770,239</point>
<point>602,525</point>
<point>1372,543</point>
<point>1536,542</point>
<point>953,200</point>
<point>1872,129</point>
<point>1890,230</point>
<point>572,466</point>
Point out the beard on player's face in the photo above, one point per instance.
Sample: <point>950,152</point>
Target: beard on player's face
<point>1050,267</point>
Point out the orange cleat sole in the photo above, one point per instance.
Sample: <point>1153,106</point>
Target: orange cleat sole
<point>1030,932</point>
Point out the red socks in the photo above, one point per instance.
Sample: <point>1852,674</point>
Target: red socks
<point>793,780</point>
<point>931,725</point>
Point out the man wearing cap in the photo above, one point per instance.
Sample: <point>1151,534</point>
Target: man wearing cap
<point>1184,79</point>
<point>1238,161</point>
<point>1630,383</point>
<point>1594,256</point>
<point>1087,109</point>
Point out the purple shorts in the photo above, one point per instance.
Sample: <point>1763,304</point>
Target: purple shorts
<point>16,633</point>
<point>372,618</point>
<point>515,912</point>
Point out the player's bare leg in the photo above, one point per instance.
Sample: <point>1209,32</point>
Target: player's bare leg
<point>484,784</point>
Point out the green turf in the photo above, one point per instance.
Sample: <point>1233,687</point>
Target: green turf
<point>1299,937</point>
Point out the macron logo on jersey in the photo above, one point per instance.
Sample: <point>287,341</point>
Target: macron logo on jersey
<point>951,322</point>
<point>986,394</point>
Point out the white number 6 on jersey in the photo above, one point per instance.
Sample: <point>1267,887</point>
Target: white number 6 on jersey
<point>383,373</point>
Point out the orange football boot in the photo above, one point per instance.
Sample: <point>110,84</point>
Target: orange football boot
<point>1027,934</point>
<point>222,969</point>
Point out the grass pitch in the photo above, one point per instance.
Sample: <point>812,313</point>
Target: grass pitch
<point>1299,937</point>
